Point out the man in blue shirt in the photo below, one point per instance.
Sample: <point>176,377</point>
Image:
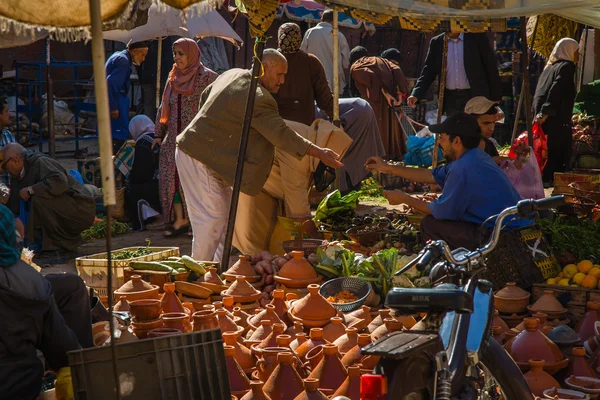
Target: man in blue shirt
<point>474,187</point>
<point>118,72</point>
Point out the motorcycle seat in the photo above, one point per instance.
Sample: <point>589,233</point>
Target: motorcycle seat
<point>441,299</point>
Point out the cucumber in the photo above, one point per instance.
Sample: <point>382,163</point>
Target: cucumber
<point>174,259</point>
<point>193,265</point>
<point>173,264</point>
<point>150,266</point>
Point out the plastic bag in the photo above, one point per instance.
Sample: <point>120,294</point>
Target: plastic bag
<point>420,151</point>
<point>540,145</point>
<point>528,180</point>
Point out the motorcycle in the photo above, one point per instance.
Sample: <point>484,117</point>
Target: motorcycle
<point>452,355</point>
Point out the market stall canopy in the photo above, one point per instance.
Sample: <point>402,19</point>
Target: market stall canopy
<point>310,11</point>
<point>170,22</point>
<point>457,11</point>
<point>11,38</point>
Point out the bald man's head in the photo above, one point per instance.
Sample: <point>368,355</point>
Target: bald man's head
<point>276,67</point>
<point>13,158</point>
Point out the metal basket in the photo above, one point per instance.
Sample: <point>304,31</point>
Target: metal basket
<point>360,288</point>
<point>308,246</point>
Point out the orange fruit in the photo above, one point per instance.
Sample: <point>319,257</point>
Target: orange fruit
<point>578,278</point>
<point>551,281</point>
<point>564,282</point>
<point>585,266</point>
<point>570,270</point>
<point>589,282</point>
<point>595,272</point>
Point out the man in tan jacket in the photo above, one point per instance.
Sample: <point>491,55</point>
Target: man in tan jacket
<point>207,150</point>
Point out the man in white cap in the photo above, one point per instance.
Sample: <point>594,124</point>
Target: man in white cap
<point>487,113</point>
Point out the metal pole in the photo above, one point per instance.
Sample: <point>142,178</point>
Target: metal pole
<point>158,71</point>
<point>106,163</point>
<point>50,103</point>
<point>583,54</point>
<point>336,70</point>
<point>239,168</point>
<point>526,88</point>
<point>442,79</point>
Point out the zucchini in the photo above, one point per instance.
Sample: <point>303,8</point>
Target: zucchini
<point>193,265</point>
<point>173,264</point>
<point>174,259</point>
<point>150,266</point>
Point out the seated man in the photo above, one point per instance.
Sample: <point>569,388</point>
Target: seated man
<point>60,208</point>
<point>474,187</point>
<point>30,321</point>
<point>256,226</point>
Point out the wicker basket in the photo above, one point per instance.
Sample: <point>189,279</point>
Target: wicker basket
<point>357,286</point>
<point>586,189</point>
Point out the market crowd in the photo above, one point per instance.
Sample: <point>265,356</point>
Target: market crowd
<point>185,161</point>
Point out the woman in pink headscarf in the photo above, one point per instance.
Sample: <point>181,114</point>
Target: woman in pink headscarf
<point>179,106</point>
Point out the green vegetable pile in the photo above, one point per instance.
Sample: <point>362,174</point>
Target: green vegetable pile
<point>371,190</point>
<point>336,261</point>
<point>127,254</point>
<point>581,238</point>
<point>98,230</point>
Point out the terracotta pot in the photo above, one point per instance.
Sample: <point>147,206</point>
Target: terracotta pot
<point>543,322</point>
<point>169,301</point>
<point>137,289</point>
<point>267,314</point>
<point>354,355</point>
<point>512,320</point>
<point>267,362</point>
<point>160,332</point>
<point>300,338</point>
<point>279,303</point>
<point>347,341</point>
<point>205,319</point>
<point>145,310</point>
<point>330,372</point>
<point>122,305</point>
<point>225,323</point>
<point>364,312</point>
<point>334,329</point>
<point>242,291</point>
<point>242,267</point>
<point>497,334</point>
<point>537,379</point>
<point>189,307</point>
<point>283,341</point>
<point>378,320</point>
<point>262,332</point>
<point>313,357</point>
<point>284,382</point>
<point>579,365</point>
<point>590,386</point>
<point>564,337</point>
<point>243,316</point>
<point>533,344</point>
<point>390,325</point>
<point>213,277</point>
<point>548,304</point>
<point>311,391</point>
<point>511,299</point>
<point>297,327</point>
<point>351,386</point>
<point>242,355</point>
<point>585,328</point>
<point>179,321</point>
<point>314,311</point>
<point>228,304</point>
<point>141,329</point>
<point>497,321</point>
<point>271,339</point>
<point>239,383</point>
<point>564,394</point>
<point>256,392</point>
<point>297,273</point>
<point>315,339</point>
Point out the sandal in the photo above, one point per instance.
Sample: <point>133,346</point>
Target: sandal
<point>171,233</point>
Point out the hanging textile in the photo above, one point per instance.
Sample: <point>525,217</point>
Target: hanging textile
<point>550,29</point>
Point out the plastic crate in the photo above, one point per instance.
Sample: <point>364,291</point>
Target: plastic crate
<point>188,366</point>
<point>93,269</point>
<point>522,256</point>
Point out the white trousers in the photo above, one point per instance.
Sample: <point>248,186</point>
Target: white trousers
<point>208,198</point>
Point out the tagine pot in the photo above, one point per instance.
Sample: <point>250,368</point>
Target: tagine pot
<point>122,305</point>
<point>267,362</point>
<point>284,382</point>
<point>242,267</point>
<point>269,314</point>
<point>213,277</point>
<point>586,327</point>
<point>533,344</point>
<point>549,305</point>
<point>579,365</point>
<point>590,386</point>
<point>270,340</point>
<point>137,289</point>
<point>390,325</point>
<point>297,327</point>
<point>205,319</point>
<point>141,329</point>
<point>299,339</point>
<point>354,355</point>
<point>313,310</point>
<point>378,320</point>
<point>279,303</point>
<point>539,380</point>
<point>256,392</point>
<point>565,338</point>
<point>511,299</point>
<point>242,355</point>
<point>330,372</point>
<point>242,291</point>
<point>351,386</point>
<point>297,272</point>
<point>497,321</point>
<point>261,333</point>
<point>315,338</point>
<point>145,310</point>
<point>177,320</point>
<point>311,391</point>
<point>239,383</point>
<point>169,300</point>
<point>227,324</point>
<point>347,341</point>
<point>334,329</point>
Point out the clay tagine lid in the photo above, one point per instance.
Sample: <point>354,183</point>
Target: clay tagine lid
<point>242,291</point>
<point>242,267</point>
<point>213,277</point>
<point>512,292</point>
<point>256,392</point>
<point>297,273</point>
<point>314,311</point>
<point>136,286</point>
<point>547,304</point>
<point>564,335</point>
<point>122,305</point>
<point>268,314</point>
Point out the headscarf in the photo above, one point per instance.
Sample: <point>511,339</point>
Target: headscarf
<point>182,81</point>
<point>8,238</point>
<point>139,125</point>
<point>289,38</point>
<point>564,49</point>
<point>392,54</point>
<point>357,53</point>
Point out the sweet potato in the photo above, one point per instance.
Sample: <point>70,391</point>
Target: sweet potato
<point>268,268</point>
<point>259,269</point>
<point>268,289</point>
<point>269,280</point>
<point>266,256</point>
<point>279,261</point>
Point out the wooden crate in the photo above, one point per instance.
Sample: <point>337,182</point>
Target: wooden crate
<point>594,295</point>
<point>573,298</point>
<point>563,179</point>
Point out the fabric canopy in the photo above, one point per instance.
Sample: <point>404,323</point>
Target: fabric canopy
<point>310,11</point>
<point>170,23</point>
<point>583,11</point>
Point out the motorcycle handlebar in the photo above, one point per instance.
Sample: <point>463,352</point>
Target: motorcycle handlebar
<point>525,207</point>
